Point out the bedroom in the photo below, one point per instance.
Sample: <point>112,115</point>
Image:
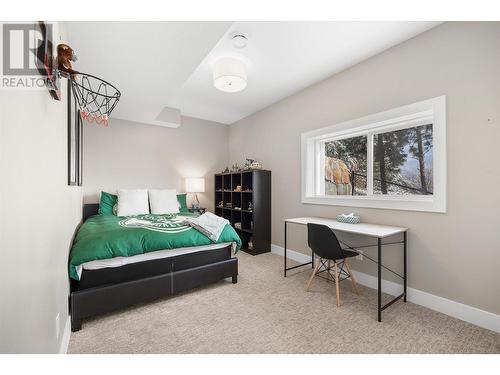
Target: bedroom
<point>187,186</point>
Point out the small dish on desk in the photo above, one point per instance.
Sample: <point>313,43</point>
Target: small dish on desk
<point>349,218</point>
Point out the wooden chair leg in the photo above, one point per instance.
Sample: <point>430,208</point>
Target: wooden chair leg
<point>353,280</point>
<point>337,283</point>
<point>315,271</point>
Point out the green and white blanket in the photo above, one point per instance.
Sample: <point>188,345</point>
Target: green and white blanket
<point>109,236</point>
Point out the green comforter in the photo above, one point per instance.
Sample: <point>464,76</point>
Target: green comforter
<point>109,236</point>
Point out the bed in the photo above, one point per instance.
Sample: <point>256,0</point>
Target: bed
<point>147,258</point>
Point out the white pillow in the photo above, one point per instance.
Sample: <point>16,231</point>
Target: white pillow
<point>163,201</point>
<point>133,202</point>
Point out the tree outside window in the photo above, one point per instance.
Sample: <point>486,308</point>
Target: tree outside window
<point>402,161</point>
<point>345,166</point>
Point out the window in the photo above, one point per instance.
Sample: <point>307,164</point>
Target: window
<point>402,161</point>
<point>345,166</point>
<point>394,159</point>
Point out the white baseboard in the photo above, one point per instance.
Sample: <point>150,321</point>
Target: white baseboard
<point>457,310</point>
<point>63,348</point>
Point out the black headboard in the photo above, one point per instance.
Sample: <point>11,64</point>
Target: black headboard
<point>90,209</point>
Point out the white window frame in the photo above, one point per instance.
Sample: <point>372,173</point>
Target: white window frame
<point>431,111</point>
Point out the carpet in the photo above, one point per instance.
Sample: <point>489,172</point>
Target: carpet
<point>266,313</point>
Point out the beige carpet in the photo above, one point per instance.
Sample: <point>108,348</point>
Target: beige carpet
<point>265,313</point>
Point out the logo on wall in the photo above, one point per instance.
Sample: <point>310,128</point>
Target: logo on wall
<point>163,223</point>
<point>28,57</point>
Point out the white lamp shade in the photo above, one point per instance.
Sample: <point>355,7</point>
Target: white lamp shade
<point>195,185</point>
<point>230,75</point>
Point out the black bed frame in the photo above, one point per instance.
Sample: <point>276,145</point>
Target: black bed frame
<point>109,289</point>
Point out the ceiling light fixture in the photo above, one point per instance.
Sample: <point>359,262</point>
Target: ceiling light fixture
<point>230,75</point>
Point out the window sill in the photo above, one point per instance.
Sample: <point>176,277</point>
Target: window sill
<point>413,203</point>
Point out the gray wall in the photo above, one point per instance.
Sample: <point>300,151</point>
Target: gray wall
<point>38,216</point>
<point>134,155</point>
<point>453,255</point>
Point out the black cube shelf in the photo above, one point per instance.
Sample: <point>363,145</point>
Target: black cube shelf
<point>248,208</point>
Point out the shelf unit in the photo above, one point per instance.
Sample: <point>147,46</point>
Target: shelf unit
<point>255,224</point>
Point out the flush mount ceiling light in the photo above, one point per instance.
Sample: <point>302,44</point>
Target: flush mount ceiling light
<point>230,75</point>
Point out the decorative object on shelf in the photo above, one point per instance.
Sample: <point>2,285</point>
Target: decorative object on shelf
<point>226,170</point>
<point>250,244</point>
<point>195,186</point>
<point>250,206</point>
<point>235,168</point>
<point>229,205</point>
<point>255,165</point>
<point>221,204</point>
<point>251,225</point>
<point>237,225</point>
<point>237,208</point>
<point>252,164</point>
<point>238,188</point>
<point>349,218</point>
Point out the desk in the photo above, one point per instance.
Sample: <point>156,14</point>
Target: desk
<point>371,230</point>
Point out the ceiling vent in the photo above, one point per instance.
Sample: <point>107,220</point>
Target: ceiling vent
<point>239,41</point>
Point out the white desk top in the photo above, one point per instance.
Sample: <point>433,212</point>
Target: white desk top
<point>372,230</point>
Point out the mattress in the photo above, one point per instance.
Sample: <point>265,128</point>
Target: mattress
<point>160,254</point>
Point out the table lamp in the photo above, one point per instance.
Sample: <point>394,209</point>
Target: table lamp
<point>195,185</point>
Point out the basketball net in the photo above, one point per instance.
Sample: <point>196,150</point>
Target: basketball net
<point>93,118</point>
<point>96,98</point>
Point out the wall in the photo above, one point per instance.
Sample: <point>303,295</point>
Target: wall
<point>134,155</point>
<point>453,255</point>
<point>38,216</point>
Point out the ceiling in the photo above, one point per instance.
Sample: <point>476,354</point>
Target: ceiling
<point>147,61</point>
<point>169,64</point>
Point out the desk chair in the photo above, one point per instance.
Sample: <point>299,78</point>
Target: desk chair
<point>324,243</point>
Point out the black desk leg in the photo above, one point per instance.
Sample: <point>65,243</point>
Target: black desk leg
<point>285,252</point>
<point>404,265</point>
<point>379,265</point>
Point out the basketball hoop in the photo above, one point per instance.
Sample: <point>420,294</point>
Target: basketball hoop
<point>96,98</point>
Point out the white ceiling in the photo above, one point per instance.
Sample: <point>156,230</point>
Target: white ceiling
<point>169,64</point>
<point>147,61</point>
